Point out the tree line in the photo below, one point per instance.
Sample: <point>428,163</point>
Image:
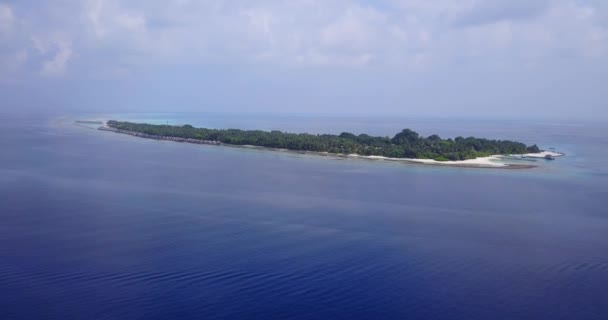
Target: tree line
<point>405,144</point>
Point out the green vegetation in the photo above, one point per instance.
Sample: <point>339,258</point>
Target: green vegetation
<point>405,144</point>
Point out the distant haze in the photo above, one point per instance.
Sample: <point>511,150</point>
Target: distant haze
<point>503,58</point>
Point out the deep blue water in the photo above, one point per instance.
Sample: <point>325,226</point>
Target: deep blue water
<point>96,225</point>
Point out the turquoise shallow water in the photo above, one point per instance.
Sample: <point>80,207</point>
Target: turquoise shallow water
<point>105,226</point>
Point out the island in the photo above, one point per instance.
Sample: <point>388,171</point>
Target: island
<point>406,145</point>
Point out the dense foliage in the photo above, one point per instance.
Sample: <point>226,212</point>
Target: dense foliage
<point>405,144</point>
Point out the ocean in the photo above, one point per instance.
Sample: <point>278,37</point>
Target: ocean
<point>98,225</point>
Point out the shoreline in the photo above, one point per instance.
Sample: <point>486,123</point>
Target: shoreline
<point>489,162</point>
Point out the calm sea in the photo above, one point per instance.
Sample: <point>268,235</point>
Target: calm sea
<point>96,225</point>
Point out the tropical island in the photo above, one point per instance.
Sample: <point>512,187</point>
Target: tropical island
<point>405,145</point>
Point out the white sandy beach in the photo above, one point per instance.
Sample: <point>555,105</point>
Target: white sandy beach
<point>491,161</point>
<point>542,154</point>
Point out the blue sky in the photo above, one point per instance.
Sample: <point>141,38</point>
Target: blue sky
<point>502,58</point>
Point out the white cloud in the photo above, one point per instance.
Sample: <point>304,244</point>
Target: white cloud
<point>393,33</point>
<point>356,29</point>
<point>60,52</point>
<point>57,65</point>
<point>107,21</point>
<point>7,19</point>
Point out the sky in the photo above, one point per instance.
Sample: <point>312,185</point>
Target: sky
<point>494,58</point>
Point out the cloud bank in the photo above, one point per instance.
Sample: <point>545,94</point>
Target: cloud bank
<point>111,39</point>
